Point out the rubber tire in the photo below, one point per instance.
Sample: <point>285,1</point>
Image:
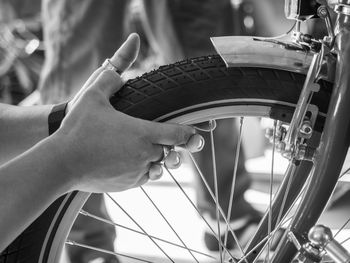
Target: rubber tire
<point>172,88</point>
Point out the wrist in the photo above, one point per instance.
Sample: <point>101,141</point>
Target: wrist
<point>56,165</point>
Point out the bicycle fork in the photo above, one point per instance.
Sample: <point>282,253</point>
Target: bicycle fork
<point>332,149</point>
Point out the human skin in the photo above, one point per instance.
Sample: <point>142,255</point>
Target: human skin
<point>96,149</point>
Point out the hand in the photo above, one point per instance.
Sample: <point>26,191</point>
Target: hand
<point>101,149</point>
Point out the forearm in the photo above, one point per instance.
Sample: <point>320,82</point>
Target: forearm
<point>21,128</point>
<point>28,185</point>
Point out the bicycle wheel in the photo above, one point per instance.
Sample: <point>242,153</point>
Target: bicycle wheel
<point>191,91</point>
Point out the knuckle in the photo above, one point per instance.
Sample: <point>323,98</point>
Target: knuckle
<point>145,152</point>
<point>141,155</point>
<point>180,135</point>
<point>93,95</point>
<point>110,75</point>
<point>183,133</point>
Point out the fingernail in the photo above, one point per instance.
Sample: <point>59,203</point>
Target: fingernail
<point>173,160</point>
<point>155,172</point>
<point>177,159</point>
<point>160,170</point>
<point>200,143</point>
<point>195,143</point>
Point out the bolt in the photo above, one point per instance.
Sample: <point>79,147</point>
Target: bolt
<point>306,129</point>
<point>281,146</point>
<point>322,11</point>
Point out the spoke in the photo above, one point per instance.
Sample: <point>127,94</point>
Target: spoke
<point>251,251</point>
<point>132,219</point>
<point>280,222</point>
<point>269,226</point>
<point>271,236</point>
<point>276,229</point>
<point>279,218</point>
<point>77,244</point>
<point>286,194</point>
<point>168,223</point>
<point>342,227</point>
<point>277,226</point>
<point>199,213</point>
<point>346,240</point>
<point>101,219</point>
<point>261,242</point>
<point>347,221</point>
<point>233,186</point>
<point>213,197</point>
<point>215,186</point>
<point>344,173</point>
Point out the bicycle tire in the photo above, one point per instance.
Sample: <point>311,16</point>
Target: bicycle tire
<point>173,90</point>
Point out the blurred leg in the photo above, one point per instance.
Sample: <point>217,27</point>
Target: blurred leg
<point>225,141</point>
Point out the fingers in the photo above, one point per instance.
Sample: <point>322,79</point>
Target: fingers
<point>167,157</point>
<point>110,81</point>
<point>155,171</point>
<point>127,53</point>
<point>195,143</point>
<point>179,135</point>
<point>123,58</point>
<point>172,160</point>
<point>169,134</point>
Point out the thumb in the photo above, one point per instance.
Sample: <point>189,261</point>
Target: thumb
<point>126,55</point>
<point>110,81</point>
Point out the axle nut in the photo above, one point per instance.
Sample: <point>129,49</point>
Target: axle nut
<point>320,235</point>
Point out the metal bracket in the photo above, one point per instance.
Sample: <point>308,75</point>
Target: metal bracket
<point>307,253</point>
<point>309,88</point>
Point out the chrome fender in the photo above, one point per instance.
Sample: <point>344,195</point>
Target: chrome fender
<point>245,51</point>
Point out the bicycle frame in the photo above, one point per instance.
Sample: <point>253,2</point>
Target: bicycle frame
<point>335,139</point>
